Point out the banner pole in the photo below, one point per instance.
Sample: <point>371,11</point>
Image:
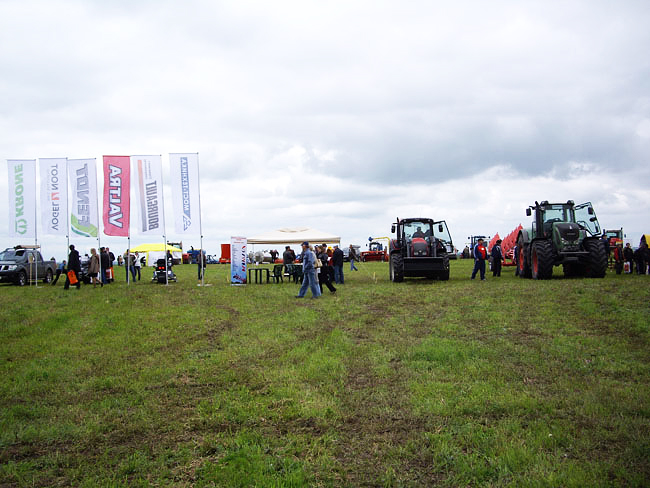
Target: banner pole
<point>127,261</point>
<point>36,248</point>
<point>198,174</point>
<point>99,222</point>
<point>164,226</point>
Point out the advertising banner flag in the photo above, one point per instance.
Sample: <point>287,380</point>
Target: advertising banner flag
<point>238,260</point>
<point>117,195</point>
<point>82,174</point>
<point>150,193</point>
<point>184,170</point>
<point>54,195</point>
<point>22,197</point>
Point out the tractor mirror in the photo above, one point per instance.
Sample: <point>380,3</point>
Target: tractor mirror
<point>528,212</point>
<point>593,219</point>
<point>392,229</point>
<point>440,228</point>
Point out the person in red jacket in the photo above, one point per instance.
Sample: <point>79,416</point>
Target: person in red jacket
<point>480,255</point>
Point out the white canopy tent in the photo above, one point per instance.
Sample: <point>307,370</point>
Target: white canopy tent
<point>296,235</point>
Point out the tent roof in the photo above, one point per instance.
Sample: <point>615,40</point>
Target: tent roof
<point>159,246</point>
<point>296,235</point>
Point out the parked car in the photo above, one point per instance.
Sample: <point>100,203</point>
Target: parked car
<point>24,264</point>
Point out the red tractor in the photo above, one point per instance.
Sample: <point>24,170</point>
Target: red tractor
<point>421,248</point>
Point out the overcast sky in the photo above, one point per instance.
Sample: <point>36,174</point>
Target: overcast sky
<point>342,115</point>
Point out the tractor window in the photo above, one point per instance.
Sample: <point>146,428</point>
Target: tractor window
<point>556,213</point>
<point>586,217</point>
<point>417,229</point>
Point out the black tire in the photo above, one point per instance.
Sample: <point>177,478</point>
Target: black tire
<point>48,277</point>
<point>541,260</point>
<point>396,268</point>
<point>21,279</point>
<point>522,261</point>
<point>444,275</point>
<point>596,266</point>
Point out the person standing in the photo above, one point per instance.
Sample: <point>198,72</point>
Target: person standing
<point>323,272</point>
<point>94,268</point>
<point>639,258</point>
<point>628,255</point>
<point>497,258</point>
<point>104,264</point>
<point>74,265</point>
<point>353,255</point>
<point>480,254</point>
<point>337,264</point>
<point>605,240</point>
<point>308,260</point>
<point>618,258</point>
<point>138,265</point>
<point>111,262</point>
<point>287,258</point>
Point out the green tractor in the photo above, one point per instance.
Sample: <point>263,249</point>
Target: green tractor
<point>562,233</point>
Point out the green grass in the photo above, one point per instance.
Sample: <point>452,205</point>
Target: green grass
<point>508,382</point>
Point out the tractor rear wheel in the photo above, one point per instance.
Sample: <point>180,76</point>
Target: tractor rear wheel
<point>522,262</point>
<point>541,257</point>
<point>396,268</point>
<point>597,261</point>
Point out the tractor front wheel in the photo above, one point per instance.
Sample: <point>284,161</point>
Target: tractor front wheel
<point>522,262</point>
<point>396,268</point>
<point>597,261</point>
<point>542,260</point>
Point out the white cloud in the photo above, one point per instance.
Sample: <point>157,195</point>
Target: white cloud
<point>344,115</point>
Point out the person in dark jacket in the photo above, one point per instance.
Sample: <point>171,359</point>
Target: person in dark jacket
<point>337,264</point>
<point>74,264</point>
<point>618,258</point>
<point>104,261</point>
<point>628,256</point>
<point>480,255</point>
<point>497,258</point>
<point>642,257</point>
<point>323,272</point>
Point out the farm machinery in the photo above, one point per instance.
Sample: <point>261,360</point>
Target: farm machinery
<point>508,245</point>
<point>377,251</point>
<point>561,233</point>
<point>420,248</point>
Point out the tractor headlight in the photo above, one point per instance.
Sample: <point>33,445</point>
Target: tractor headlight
<point>11,267</point>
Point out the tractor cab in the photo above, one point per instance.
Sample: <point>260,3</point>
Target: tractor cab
<point>564,222</point>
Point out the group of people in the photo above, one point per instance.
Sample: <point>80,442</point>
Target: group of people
<point>628,260</point>
<point>320,266</point>
<point>99,267</point>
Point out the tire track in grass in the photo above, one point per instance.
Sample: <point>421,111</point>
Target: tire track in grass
<point>378,424</point>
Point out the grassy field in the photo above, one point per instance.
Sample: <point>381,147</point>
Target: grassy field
<point>508,382</point>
